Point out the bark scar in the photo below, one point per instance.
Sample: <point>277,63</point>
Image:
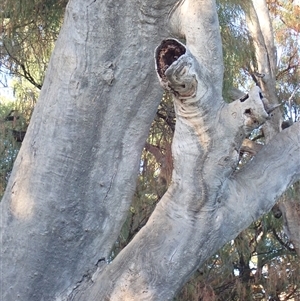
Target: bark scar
<point>110,185</point>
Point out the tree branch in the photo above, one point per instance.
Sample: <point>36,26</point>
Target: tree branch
<point>205,150</point>
<point>25,73</point>
<point>257,187</point>
<point>284,244</point>
<point>182,22</point>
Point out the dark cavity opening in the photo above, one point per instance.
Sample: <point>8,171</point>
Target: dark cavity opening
<point>167,53</point>
<point>244,98</point>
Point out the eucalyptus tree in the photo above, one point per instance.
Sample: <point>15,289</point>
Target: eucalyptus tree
<point>74,178</point>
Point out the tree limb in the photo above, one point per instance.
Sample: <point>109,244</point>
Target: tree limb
<point>267,175</point>
<point>207,203</point>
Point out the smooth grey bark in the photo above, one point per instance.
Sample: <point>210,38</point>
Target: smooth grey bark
<point>208,202</point>
<point>199,213</point>
<point>73,180</point>
<point>74,177</point>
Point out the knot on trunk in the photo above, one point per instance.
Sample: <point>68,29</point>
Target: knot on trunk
<point>175,69</point>
<point>166,53</point>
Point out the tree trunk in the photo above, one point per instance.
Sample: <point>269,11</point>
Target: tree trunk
<point>209,202</point>
<point>73,181</point>
<point>74,177</point>
<point>261,30</point>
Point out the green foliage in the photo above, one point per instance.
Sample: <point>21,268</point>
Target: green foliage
<point>10,120</point>
<point>238,52</point>
<point>29,30</point>
<point>257,265</point>
<point>15,115</point>
<point>287,31</point>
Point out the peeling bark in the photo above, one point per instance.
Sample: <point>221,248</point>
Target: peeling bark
<point>250,147</point>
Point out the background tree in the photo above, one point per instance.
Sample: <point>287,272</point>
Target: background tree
<point>157,149</point>
<point>28,33</point>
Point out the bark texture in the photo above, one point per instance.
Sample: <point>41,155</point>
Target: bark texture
<point>74,178</point>
<point>208,202</point>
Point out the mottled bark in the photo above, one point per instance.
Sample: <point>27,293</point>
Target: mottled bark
<point>208,202</point>
<point>73,180</point>
<point>74,177</point>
